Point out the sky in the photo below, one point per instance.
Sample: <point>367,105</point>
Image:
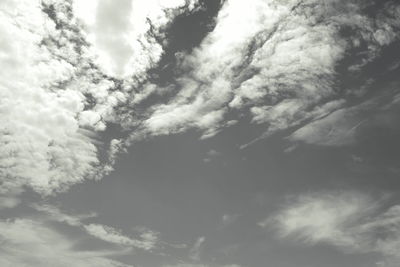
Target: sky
<point>199,133</point>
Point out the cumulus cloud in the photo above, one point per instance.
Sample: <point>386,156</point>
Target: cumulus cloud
<point>352,221</point>
<point>31,243</point>
<point>42,143</point>
<point>56,96</point>
<point>125,33</point>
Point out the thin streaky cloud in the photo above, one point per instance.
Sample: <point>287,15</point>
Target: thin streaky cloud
<point>351,221</point>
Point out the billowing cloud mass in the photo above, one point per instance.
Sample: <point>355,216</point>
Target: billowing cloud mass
<point>42,143</point>
<point>351,221</point>
<point>55,96</point>
<point>72,68</point>
<point>124,33</point>
<point>82,80</point>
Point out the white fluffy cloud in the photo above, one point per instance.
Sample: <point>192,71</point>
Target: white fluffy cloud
<point>42,143</point>
<point>124,32</point>
<point>352,221</point>
<point>54,99</point>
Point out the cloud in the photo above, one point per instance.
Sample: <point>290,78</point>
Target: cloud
<point>196,250</point>
<point>148,239</point>
<point>276,60</point>
<point>7,202</point>
<point>71,68</point>
<point>55,98</point>
<point>126,34</point>
<point>110,234</point>
<point>228,219</point>
<point>55,214</point>
<point>349,220</point>
<point>211,155</point>
<point>30,243</point>
<point>343,126</point>
<point>336,129</point>
<point>44,145</point>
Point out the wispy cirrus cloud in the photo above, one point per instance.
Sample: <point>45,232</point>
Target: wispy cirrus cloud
<point>343,126</point>
<point>26,242</point>
<point>280,66</point>
<point>349,220</point>
<point>147,240</point>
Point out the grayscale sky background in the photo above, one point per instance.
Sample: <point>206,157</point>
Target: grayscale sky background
<point>199,133</point>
